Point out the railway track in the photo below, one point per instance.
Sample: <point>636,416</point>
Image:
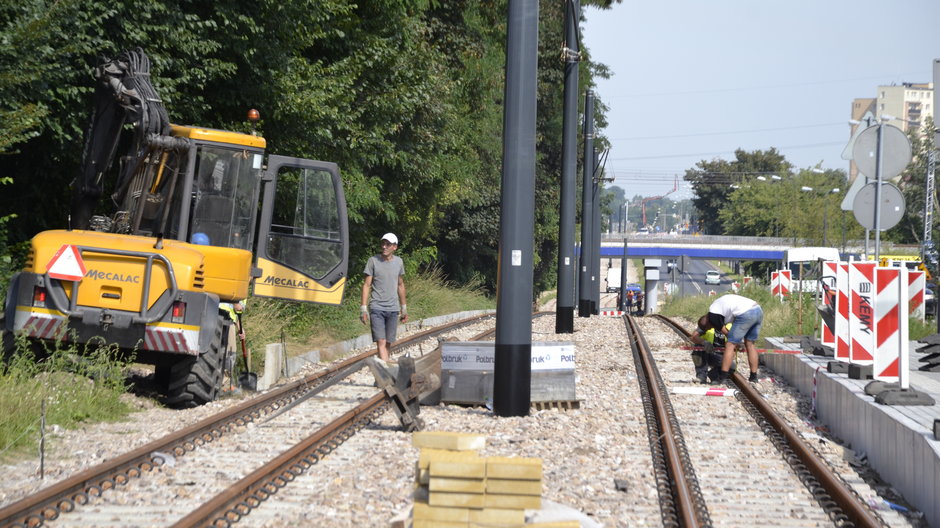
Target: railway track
<point>597,457</point>
<point>185,469</point>
<point>732,461</point>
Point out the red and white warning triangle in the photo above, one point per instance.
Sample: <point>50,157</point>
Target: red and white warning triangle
<point>66,264</point>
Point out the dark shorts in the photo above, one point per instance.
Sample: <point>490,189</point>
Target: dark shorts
<point>384,325</point>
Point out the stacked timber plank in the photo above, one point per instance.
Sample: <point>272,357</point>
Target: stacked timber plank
<point>457,487</point>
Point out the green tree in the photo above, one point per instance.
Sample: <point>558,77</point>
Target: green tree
<point>913,185</point>
<point>713,181</point>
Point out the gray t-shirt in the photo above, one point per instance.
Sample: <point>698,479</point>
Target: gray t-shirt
<point>385,275</point>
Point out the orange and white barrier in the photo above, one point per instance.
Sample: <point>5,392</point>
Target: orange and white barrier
<point>780,283</point>
<point>891,316</point>
<point>842,313</point>
<point>916,289</point>
<point>612,313</point>
<point>861,312</point>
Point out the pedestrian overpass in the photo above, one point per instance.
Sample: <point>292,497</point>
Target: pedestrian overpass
<point>706,247</point>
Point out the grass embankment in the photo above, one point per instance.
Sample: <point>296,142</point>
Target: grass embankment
<point>69,387</point>
<point>305,327</point>
<point>87,388</point>
<point>781,318</point>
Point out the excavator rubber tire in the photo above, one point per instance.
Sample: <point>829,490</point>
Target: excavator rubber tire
<point>195,381</point>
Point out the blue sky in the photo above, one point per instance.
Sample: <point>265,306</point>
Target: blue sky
<point>697,79</point>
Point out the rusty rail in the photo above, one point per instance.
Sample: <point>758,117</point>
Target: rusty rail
<point>852,508</point>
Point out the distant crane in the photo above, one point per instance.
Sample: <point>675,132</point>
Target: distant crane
<point>675,187</point>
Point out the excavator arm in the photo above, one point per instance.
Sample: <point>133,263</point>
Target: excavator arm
<point>123,95</point>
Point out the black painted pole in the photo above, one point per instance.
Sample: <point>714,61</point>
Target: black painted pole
<point>567,264</point>
<point>596,257</point>
<point>513,362</point>
<point>587,208</point>
<point>596,249</point>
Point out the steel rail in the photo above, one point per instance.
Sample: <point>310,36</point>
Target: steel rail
<point>239,499</point>
<point>63,496</point>
<point>847,500</point>
<point>684,489</point>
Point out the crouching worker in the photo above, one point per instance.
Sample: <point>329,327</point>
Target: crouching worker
<point>707,355</point>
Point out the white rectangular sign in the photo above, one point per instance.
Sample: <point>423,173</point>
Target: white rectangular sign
<point>458,355</point>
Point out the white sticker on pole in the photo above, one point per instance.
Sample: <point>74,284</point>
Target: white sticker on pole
<point>516,257</point>
<point>890,300</point>
<point>842,312</point>
<point>861,312</point>
<point>66,264</point>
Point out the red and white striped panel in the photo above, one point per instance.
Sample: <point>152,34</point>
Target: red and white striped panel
<point>178,340</point>
<point>890,317</point>
<point>842,312</point>
<point>861,312</point>
<point>780,283</point>
<point>827,334</point>
<point>615,313</point>
<point>41,325</point>
<point>916,286</point>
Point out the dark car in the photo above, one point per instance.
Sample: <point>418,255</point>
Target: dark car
<point>930,301</point>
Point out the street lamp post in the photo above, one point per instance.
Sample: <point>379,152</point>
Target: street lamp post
<point>825,237</point>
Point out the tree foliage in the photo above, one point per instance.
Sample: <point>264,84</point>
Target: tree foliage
<point>405,95</point>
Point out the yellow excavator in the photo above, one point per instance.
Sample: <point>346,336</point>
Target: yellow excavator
<point>194,219</point>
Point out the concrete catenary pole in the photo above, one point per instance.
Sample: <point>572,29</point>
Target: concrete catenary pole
<point>564,309</point>
<point>587,209</point>
<point>513,363</point>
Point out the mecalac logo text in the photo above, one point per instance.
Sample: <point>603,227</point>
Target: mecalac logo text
<point>290,283</point>
<point>114,277</point>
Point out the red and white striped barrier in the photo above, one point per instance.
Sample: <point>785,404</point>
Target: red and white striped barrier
<point>891,335</point>
<point>842,313</point>
<point>916,286</point>
<point>703,391</point>
<point>747,280</point>
<point>780,283</point>
<point>614,313</point>
<point>827,334</point>
<point>861,312</point>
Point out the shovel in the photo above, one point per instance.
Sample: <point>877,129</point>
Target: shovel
<point>247,380</point>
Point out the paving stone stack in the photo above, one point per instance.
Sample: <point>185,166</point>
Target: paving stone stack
<point>456,487</point>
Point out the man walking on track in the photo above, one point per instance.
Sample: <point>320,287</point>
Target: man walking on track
<point>385,274</point>
<point>747,317</point>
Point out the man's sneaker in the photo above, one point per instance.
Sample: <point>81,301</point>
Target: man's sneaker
<point>702,377</point>
<point>753,377</point>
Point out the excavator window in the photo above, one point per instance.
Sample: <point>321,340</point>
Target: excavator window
<point>305,232</point>
<point>226,195</point>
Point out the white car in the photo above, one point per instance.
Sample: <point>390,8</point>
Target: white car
<point>712,277</point>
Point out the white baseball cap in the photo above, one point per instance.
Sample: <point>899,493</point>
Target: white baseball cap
<point>391,238</point>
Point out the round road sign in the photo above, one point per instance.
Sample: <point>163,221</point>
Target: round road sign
<point>892,205</point>
<point>896,149</point>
